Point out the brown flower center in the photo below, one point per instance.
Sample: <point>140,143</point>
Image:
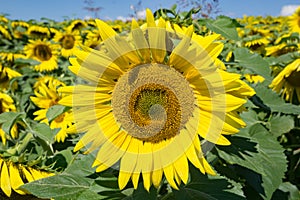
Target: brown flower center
<point>294,79</point>
<point>68,41</point>
<point>42,52</point>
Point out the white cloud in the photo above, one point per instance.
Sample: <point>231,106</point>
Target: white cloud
<point>141,14</point>
<point>124,19</point>
<point>288,9</point>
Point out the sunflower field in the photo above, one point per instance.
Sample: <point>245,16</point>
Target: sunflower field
<point>170,107</point>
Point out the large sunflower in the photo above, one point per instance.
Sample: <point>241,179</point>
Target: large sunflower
<point>46,95</point>
<point>294,21</point>
<point>13,175</point>
<point>287,81</point>
<point>151,99</point>
<point>44,52</point>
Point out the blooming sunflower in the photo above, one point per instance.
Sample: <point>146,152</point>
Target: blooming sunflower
<point>149,102</point>
<point>7,105</point>
<point>294,21</point>
<point>39,32</point>
<point>46,95</point>
<point>68,41</point>
<point>93,39</point>
<point>76,25</point>
<point>287,81</point>
<point>6,74</point>
<point>44,52</point>
<point>13,175</point>
<point>5,33</point>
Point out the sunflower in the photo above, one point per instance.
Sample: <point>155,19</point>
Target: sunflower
<point>68,42</point>
<point>13,175</point>
<point>7,105</point>
<point>44,52</point>
<point>6,74</point>
<point>287,81</point>
<point>4,33</point>
<point>76,25</point>
<point>149,102</point>
<point>38,32</point>
<point>46,95</point>
<point>254,78</point>
<point>93,39</point>
<point>294,21</point>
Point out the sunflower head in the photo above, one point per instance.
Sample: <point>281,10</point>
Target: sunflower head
<point>294,21</point>
<point>44,52</point>
<point>151,98</point>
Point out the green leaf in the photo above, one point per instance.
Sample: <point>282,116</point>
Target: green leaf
<point>207,188</point>
<point>44,132</point>
<point>292,191</point>
<point>63,187</point>
<point>279,125</point>
<point>274,101</point>
<point>224,26</point>
<point>54,111</point>
<point>82,166</point>
<point>265,158</point>
<point>8,119</point>
<point>253,62</point>
<point>141,193</point>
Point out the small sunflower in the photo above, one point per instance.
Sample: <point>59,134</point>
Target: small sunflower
<point>46,95</point>
<point>93,39</point>
<point>4,33</point>
<point>76,25</point>
<point>44,52</point>
<point>287,81</point>
<point>13,175</point>
<point>7,105</point>
<point>150,102</point>
<point>6,74</point>
<point>38,32</point>
<point>254,78</point>
<point>294,21</point>
<point>69,41</point>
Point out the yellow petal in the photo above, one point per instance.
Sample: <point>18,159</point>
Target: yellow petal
<point>5,180</point>
<point>27,174</point>
<point>16,180</point>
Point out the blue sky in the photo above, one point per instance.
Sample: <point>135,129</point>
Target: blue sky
<point>57,9</point>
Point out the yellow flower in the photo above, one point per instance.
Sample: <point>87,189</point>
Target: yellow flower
<point>294,21</point>
<point>254,78</point>
<point>93,39</point>
<point>5,33</point>
<point>287,81</point>
<point>44,52</point>
<point>13,175</point>
<point>76,25</point>
<point>7,105</point>
<point>150,101</point>
<point>35,31</point>
<point>69,41</point>
<point>6,74</point>
<point>46,95</point>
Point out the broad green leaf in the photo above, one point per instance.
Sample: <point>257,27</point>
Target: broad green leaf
<point>253,62</point>
<point>274,101</point>
<point>44,132</point>
<point>224,26</point>
<point>81,166</point>
<point>207,188</point>
<point>54,111</point>
<point>64,186</point>
<point>258,151</point>
<point>279,125</point>
<point>8,119</point>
